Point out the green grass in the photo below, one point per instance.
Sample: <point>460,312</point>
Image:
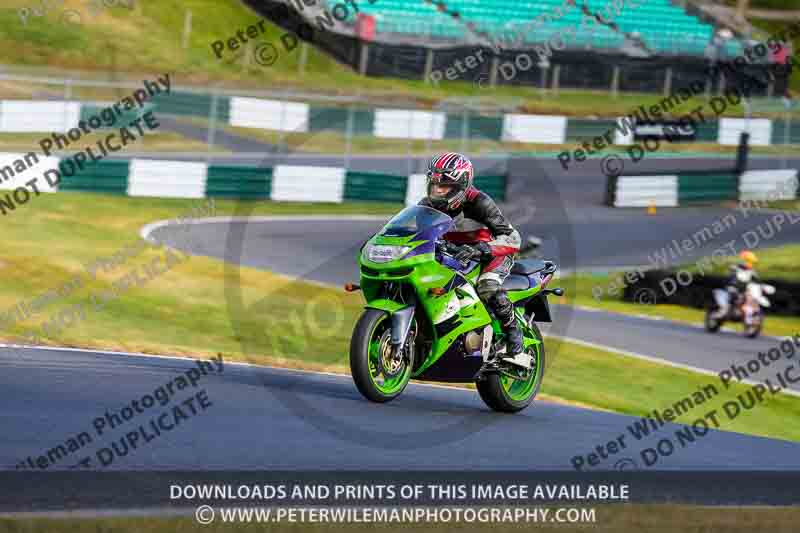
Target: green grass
<point>789,205</point>
<point>610,517</point>
<point>604,291</point>
<point>285,322</point>
<point>159,142</point>
<point>148,39</point>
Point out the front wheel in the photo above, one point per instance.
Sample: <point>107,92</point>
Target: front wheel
<point>379,376</point>
<point>509,395</point>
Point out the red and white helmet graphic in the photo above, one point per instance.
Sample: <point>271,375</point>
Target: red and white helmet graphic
<point>449,177</point>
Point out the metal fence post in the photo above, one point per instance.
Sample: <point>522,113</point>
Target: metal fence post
<point>787,129</point>
<point>615,82</point>
<point>428,65</point>
<point>348,141</point>
<point>301,65</point>
<point>556,78</point>
<point>187,28</point>
<point>67,98</point>
<point>493,72</point>
<point>212,120</point>
<point>464,131</point>
<point>668,82</point>
<point>363,63</point>
<point>281,135</point>
<point>410,141</point>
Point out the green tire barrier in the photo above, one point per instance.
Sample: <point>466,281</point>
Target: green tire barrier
<point>182,179</point>
<point>698,187</point>
<point>230,181</point>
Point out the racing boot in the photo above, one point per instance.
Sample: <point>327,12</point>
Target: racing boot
<point>515,352</point>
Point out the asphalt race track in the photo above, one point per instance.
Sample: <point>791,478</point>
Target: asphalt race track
<point>263,418</point>
<point>254,422</point>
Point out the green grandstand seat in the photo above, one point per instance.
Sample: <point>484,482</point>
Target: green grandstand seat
<point>664,26</point>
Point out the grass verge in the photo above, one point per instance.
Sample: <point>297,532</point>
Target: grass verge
<point>617,518</point>
<point>150,36</point>
<point>285,322</point>
<point>604,291</point>
<point>160,142</point>
<point>335,142</point>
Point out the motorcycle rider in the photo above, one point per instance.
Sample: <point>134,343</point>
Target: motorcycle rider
<point>741,275</point>
<point>450,190</point>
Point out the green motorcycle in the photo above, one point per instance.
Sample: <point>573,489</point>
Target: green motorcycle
<point>424,320</point>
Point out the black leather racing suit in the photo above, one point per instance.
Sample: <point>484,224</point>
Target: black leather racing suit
<point>495,267</point>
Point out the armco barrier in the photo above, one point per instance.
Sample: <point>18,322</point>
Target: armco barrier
<point>182,179</point>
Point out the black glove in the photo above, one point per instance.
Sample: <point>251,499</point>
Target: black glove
<point>468,253</point>
<point>485,250</point>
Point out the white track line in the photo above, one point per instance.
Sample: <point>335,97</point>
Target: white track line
<point>148,229</point>
<point>666,362</point>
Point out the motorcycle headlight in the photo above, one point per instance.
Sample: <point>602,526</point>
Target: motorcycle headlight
<point>383,253</point>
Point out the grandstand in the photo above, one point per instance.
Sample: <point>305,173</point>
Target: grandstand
<point>612,45</point>
<point>664,27</point>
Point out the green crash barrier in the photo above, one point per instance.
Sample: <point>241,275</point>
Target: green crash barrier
<point>114,122</point>
<point>780,134</point>
<point>239,182</point>
<point>707,187</point>
<point>375,187</point>
<point>335,119</point>
<point>110,177</point>
<point>588,130</point>
<point>192,104</point>
<point>707,132</point>
<point>477,127</point>
<point>494,186</point>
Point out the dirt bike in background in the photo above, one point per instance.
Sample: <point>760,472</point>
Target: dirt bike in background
<point>424,320</point>
<point>746,308</point>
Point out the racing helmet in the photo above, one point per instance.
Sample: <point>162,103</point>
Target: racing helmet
<point>749,258</point>
<point>449,176</point>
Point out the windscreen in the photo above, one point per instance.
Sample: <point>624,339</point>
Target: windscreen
<point>415,219</point>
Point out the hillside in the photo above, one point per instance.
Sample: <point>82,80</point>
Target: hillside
<point>148,38</point>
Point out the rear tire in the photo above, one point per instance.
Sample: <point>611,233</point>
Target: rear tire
<point>754,330</point>
<point>712,324</point>
<point>370,332</point>
<point>498,392</point>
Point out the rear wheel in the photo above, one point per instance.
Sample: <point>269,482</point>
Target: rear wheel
<point>712,324</point>
<point>753,329</point>
<point>378,375</point>
<point>506,394</point>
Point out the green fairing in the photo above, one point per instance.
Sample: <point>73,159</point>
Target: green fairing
<point>426,273</point>
<point>397,281</point>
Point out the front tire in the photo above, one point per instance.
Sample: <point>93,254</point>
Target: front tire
<point>508,395</point>
<point>369,364</point>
